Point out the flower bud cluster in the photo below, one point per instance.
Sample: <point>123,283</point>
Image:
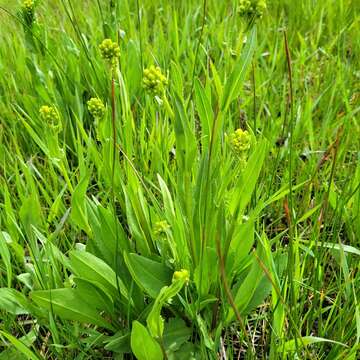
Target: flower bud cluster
<point>154,81</point>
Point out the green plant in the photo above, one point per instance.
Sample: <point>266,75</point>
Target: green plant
<point>212,212</point>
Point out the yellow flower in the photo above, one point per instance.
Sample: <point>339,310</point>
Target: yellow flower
<point>96,108</point>
<point>50,116</point>
<point>28,11</point>
<point>252,8</point>
<point>161,227</point>
<point>181,275</point>
<point>110,51</point>
<point>240,141</point>
<point>154,80</point>
<point>28,5</point>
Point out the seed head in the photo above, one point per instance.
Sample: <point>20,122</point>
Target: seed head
<point>50,116</point>
<point>110,51</point>
<point>154,81</point>
<point>96,108</point>
<point>240,141</point>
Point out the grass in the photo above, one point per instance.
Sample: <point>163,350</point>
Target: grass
<point>156,230</point>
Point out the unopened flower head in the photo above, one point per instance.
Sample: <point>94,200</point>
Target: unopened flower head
<point>240,141</point>
<point>28,10</point>
<point>181,275</point>
<point>110,51</point>
<point>28,5</point>
<point>50,116</point>
<point>96,108</point>
<point>161,227</point>
<point>154,80</point>
<point>252,8</point>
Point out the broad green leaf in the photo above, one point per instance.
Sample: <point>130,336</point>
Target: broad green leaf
<point>20,346</point>
<point>13,301</point>
<point>70,304</point>
<point>16,248</point>
<point>143,243</point>
<point>248,179</point>
<point>206,273</point>
<point>100,297</point>
<point>242,241</point>
<point>260,293</point>
<point>106,232</point>
<point>143,345</point>
<point>30,212</point>
<point>90,267</point>
<point>119,343</point>
<point>188,351</point>
<point>175,334</point>
<point>186,145</point>
<point>13,354</point>
<point>251,291</point>
<point>151,276</point>
<point>78,205</point>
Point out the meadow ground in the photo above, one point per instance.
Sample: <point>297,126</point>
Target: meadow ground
<point>186,189</point>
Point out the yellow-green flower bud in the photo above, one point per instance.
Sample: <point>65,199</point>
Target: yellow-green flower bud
<point>161,227</point>
<point>110,51</point>
<point>154,81</point>
<point>240,141</point>
<point>96,108</point>
<point>252,8</point>
<point>28,5</point>
<point>50,116</point>
<point>28,11</point>
<point>181,275</point>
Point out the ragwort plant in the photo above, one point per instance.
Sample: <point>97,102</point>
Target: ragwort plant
<point>162,234</point>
